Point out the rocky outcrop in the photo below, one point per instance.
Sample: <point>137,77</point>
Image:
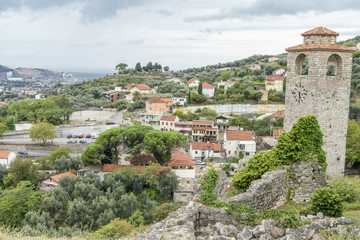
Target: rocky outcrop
<point>197,221</point>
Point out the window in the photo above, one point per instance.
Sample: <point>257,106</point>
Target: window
<point>301,64</point>
<point>247,154</point>
<point>334,65</point>
<point>235,152</point>
<point>183,195</point>
<point>166,123</point>
<point>196,152</point>
<point>170,124</point>
<point>162,123</point>
<point>229,152</point>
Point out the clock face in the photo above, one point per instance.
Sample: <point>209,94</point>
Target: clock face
<point>299,92</point>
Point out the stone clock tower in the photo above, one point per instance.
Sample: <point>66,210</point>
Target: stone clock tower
<point>318,82</point>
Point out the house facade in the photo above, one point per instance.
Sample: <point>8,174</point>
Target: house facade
<point>193,83</point>
<point>203,151</point>
<point>274,82</point>
<point>158,105</point>
<point>177,101</point>
<point>239,141</point>
<point>184,128</point>
<point>167,123</point>
<point>208,89</point>
<point>53,181</point>
<point>204,131</point>
<point>142,88</point>
<point>6,158</point>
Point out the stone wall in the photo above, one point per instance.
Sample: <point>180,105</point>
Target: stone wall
<point>267,192</point>
<point>297,182</point>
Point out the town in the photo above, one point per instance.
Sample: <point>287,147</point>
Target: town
<point>251,149</point>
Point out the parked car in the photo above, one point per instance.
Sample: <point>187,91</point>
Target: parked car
<point>81,135</point>
<point>88,141</point>
<point>82,141</point>
<point>92,119</point>
<point>110,123</point>
<point>90,124</point>
<point>199,162</point>
<point>88,119</point>
<point>69,136</point>
<point>23,153</point>
<point>75,135</point>
<point>88,135</point>
<point>74,141</point>
<point>70,141</point>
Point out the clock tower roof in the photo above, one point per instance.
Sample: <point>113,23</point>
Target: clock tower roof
<point>320,31</point>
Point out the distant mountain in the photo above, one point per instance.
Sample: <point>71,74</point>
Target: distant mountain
<point>37,73</point>
<point>4,69</point>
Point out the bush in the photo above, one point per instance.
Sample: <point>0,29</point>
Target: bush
<point>163,211</point>
<point>121,107</point>
<point>115,229</point>
<point>328,202</point>
<point>348,188</point>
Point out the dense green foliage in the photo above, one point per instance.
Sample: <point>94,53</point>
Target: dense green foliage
<point>208,184</point>
<point>107,146</point>
<point>328,202</point>
<point>114,230</point>
<point>302,143</point>
<point>353,143</point>
<point>23,170</point>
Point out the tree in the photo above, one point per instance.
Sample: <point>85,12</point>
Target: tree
<point>353,143</point>
<point>42,132</point>
<point>160,144</point>
<point>16,202</point>
<point>189,98</point>
<point>149,66</point>
<point>198,98</point>
<point>25,170</point>
<point>3,128</point>
<point>138,67</point>
<point>200,88</point>
<point>136,95</point>
<point>166,68</point>
<point>167,183</point>
<point>121,67</point>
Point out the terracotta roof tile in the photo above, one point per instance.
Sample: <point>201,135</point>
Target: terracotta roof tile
<point>320,47</point>
<point>57,177</point>
<point>199,122</point>
<point>155,100</point>
<point>320,31</point>
<point>279,114</point>
<point>204,128</point>
<point>205,146</point>
<point>180,158</point>
<point>207,85</point>
<point>190,81</point>
<point>277,132</point>
<point>168,118</point>
<point>275,77</point>
<point>111,91</point>
<point>239,135</point>
<point>4,154</point>
<point>143,86</point>
<point>130,85</point>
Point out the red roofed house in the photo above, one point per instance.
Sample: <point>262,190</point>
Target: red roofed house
<point>158,105</point>
<point>277,132</point>
<point>202,151</point>
<point>208,89</point>
<point>167,123</point>
<point>129,86</point>
<point>53,181</point>
<point>142,88</point>
<point>239,141</point>
<point>7,157</point>
<point>274,82</point>
<point>181,163</point>
<point>193,83</point>
<point>279,114</point>
<point>143,159</point>
<point>204,131</point>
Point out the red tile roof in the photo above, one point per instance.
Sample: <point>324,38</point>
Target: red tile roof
<point>190,81</point>
<point>57,177</point>
<point>3,103</point>
<point>279,114</point>
<point>4,154</point>
<point>277,132</point>
<point>143,158</point>
<point>168,118</point>
<point>275,77</point>
<point>320,31</point>
<point>205,146</point>
<point>155,100</point>
<point>167,99</point>
<point>199,122</point>
<point>204,128</point>
<point>180,158</point>
<point>239,135</point>
<point>143,86</point>
<point>130,85</point>
<point>207,85</point>
<point>109,92</point>
<point>320,47</point>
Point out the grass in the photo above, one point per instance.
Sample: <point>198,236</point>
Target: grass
<point>294,208</point>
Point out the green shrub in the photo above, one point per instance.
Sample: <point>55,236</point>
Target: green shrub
<point>328,202</point>
<point>137,219</point>
<point>348,188</point>
<point>164,210</point>
<point>282,218</point>
<point>121,107</point>
<point>208,184</point>
<point>115,229</point>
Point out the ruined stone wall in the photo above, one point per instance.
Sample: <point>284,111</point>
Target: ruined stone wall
<point>267,192</point>
<point>297,183</point>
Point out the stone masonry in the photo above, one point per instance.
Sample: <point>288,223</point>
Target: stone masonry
<point>327,97</point>
<point>297,183</point>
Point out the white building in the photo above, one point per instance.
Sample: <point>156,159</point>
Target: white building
<point>202,151</point>
<point>226,84</point>
<point>279,71</point>
<point>208,89</point>
<point>167,123</point>
<point>181,164</point>
<point>239,141</point>
<point>193,83</point>
<point>23,126</point>
<point>204,131</point>
<point>177,101</point>
<point>7,157</point>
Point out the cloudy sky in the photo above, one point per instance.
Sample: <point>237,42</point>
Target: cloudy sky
<point>95,35</point>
